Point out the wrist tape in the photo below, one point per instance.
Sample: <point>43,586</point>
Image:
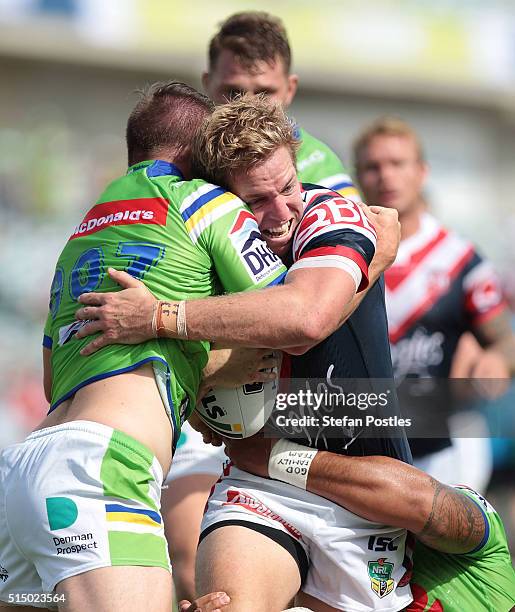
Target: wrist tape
<point>175,325</point>
<point>290,462</point>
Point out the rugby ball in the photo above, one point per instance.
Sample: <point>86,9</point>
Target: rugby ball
<point>238,413</point>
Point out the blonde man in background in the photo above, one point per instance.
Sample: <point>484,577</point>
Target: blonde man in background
<point>438,288</point>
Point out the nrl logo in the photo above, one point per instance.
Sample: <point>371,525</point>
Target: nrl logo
<point>380,573</point>
<point>4,574</point>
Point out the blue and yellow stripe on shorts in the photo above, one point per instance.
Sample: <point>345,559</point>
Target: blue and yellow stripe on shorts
<point>135,516</point>
<point>130,475</point>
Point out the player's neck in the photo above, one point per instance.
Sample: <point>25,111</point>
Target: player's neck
<point>410,222</point>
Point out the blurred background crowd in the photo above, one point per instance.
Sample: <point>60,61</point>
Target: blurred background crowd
<point>69,68</point>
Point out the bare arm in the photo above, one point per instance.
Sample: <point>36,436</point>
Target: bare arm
<point>496,335</point>
<point>304,311</point>
<point>388,491</point>
<point>382,490</point>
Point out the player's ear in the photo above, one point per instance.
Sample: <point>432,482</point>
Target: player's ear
<point>293,81</point>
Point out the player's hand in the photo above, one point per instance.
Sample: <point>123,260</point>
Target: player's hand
<point>209,436</point>
<point>388,229</point>
<point>250,454</point>
<point>212,602</point>
<point>487,367</point>
<point>122,317</point>
<point>237,366</point>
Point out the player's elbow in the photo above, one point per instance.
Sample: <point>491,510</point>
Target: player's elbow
<point>316,326</point>
<point>311,318</point>
<point>299,350</point>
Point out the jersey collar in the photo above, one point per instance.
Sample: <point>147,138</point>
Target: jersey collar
<point>428,229</point>
<point>157,167</point>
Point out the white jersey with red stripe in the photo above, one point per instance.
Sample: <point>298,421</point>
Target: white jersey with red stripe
<point>438,288</point>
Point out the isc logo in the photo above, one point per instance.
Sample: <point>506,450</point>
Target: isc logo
<point>259,261</point>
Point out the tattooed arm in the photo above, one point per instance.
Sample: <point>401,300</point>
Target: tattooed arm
<point>382,490</point>
<point>455,523</point>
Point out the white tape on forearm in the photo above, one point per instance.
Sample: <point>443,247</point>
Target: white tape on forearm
<point>290,462</point>
<point>182,330</point>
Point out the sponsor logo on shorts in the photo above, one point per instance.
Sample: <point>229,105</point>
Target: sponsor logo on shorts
<point>147,211</point>
<point>74,544</point>
<point>62,512</point>
<point>237,498</point>
<point>4,574</point>
<point>259,261</point>
<point>380,573</point>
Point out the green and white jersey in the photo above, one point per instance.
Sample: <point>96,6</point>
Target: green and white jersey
<point>480,581</point>
<point>317,164</point>
<point>184,240</point>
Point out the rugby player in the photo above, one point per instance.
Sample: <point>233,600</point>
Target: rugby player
<point>80,525</point>
<point>438,288</point>
<point>461,559</point>
<point>249,54</point>
<point>287,541</point>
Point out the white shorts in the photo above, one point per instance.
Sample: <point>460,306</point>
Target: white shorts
<point>74,498</point>
<point>192,456</point>
<point>353,564</point>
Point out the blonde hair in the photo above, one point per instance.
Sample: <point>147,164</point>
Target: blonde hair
<point>239,135</point>
<point>385,126</point>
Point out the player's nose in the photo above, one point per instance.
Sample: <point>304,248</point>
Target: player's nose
<point>281,209</point>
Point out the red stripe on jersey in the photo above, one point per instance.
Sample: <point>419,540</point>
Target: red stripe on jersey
<point>331,214</point>
<point>429,300</point>
<point>342,251</point>
<point>242,217</point>
<point>146,211</point>
<point>395,275</point>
